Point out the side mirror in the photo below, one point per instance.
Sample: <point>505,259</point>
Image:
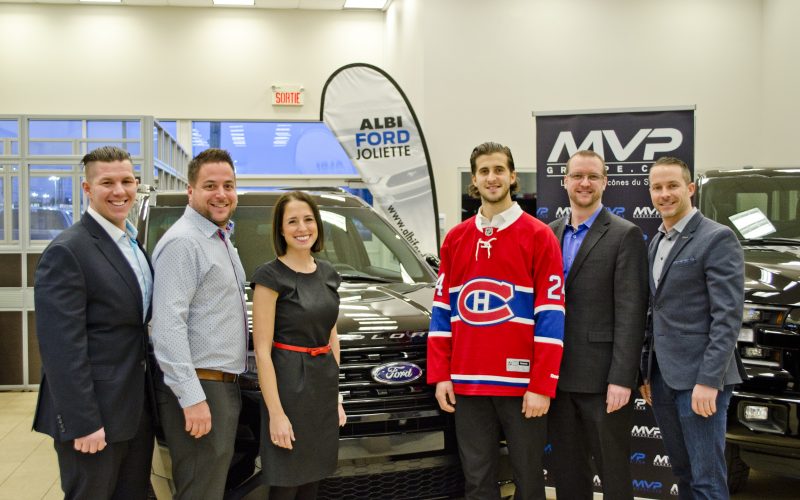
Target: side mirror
<point>432,260</point>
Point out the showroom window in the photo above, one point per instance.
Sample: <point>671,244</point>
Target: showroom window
<point>275,148</point>
<point>9,137</point>
<point>171,126</point>
<point>50,206</point>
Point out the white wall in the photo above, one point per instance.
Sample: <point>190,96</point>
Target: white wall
<point>489,64</point>
<point>405,51</point>
<point>175,62</point>
<point>473,69</point>
<point>781,72</point>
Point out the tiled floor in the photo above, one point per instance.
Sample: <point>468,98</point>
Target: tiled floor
<point>28,468</point>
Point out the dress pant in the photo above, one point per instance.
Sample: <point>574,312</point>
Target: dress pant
<point>200,466</point>
<point>479,420</point>
<point>120,472</point>
<point>695,444</point>
<point>579,429</point>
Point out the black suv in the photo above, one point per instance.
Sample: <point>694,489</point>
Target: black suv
<point>396,444</point>
<point>763,208</point>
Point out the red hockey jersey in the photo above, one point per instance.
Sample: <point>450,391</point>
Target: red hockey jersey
<point>497,326</point>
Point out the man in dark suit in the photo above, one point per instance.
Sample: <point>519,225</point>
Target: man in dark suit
<point>92,294</point>
<point>696,301</point>
<point>605,268</point>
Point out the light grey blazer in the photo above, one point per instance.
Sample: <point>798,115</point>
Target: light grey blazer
<point>696,311</point>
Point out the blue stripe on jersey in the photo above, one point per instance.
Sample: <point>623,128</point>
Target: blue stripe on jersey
<point>550,323</point>
<point>440,319</point>
<point>481,303</point>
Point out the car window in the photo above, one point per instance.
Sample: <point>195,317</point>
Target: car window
<point>777,198</point>
<point>358,243</point>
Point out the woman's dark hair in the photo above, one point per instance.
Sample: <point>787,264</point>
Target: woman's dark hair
<point>278,241</point>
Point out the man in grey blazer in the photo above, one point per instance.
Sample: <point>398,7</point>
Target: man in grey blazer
<point>605,268</point>
<point>696,300</point>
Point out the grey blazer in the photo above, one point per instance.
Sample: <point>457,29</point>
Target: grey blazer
<point>606,303</point>
<point>696,311</point>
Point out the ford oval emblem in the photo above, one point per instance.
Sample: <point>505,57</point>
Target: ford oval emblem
<point>396,373</point>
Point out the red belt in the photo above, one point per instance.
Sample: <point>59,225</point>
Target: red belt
<point>314,351</point>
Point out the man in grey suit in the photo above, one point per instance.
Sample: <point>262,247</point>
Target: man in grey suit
<point>696,299</point>
<point>605,267</point>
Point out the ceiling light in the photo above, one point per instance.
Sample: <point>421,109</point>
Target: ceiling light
<point>241,3</point>
<point>366,4</point>
<point>100,1</point>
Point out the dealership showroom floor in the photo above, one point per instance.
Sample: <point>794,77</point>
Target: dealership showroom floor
<point>28,468</point>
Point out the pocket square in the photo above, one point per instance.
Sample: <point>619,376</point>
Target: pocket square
<point>684,262</point>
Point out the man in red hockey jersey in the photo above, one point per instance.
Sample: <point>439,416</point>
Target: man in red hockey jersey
<point>497,330</point>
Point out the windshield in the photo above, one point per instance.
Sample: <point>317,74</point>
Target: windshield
<point>358,243</point>
<point>754,206</point>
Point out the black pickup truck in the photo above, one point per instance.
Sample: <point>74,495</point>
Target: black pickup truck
<point>397,443</point>
<point>763,208</point>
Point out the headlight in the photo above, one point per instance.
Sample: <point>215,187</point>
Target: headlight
<point>751,314</point>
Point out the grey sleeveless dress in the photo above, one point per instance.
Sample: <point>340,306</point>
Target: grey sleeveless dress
<point>308,386</point>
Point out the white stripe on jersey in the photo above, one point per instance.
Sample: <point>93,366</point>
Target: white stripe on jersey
<point>440,334</point>
<point>528,289</point>
<point>524,321</point>
<point>548,307</point>
<point>441,304</point>
<point>548,340</point>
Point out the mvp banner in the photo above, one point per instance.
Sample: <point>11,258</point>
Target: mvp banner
<point>629,141</point>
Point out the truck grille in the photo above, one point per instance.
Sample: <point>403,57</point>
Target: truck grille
<point>364,396</point>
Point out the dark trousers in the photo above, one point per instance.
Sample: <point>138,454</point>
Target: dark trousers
<point>120,472</point>
<point>479,420</point>
<point>579,429</point>
<point>200,466</point>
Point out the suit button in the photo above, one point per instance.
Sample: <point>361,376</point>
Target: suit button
<point>142,362</point>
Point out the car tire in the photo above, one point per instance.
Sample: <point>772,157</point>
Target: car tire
<point>738,470</point>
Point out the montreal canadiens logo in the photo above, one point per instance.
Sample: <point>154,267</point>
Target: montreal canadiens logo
<point>484,301</point>
<point>396,373</point>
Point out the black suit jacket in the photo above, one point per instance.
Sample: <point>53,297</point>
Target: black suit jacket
<point>92,337</point>
<point>606,302</point>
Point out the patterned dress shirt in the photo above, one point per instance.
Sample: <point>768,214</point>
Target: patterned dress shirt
<point>199,306</point>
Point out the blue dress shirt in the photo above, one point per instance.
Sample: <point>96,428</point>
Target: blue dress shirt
<point>573,238</point>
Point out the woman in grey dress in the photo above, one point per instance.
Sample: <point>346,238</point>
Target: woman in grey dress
<point>295,306</point>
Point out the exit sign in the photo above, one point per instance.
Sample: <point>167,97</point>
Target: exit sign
<point>288,95</point>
